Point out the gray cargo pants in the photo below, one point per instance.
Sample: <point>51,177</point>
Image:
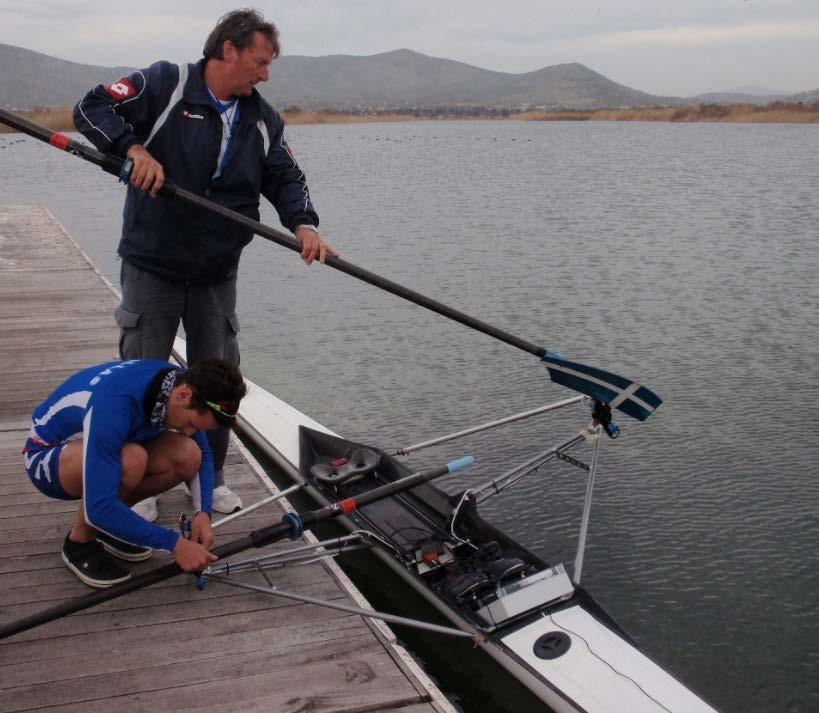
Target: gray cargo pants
<point>149,317</point>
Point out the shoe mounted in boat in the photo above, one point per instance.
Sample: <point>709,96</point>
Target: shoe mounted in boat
<point>462,584</point>
<point>490,561</point>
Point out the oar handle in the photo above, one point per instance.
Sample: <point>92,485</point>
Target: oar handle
<point>91,599</point>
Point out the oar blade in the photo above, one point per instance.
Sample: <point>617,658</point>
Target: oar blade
<point>628,396</point>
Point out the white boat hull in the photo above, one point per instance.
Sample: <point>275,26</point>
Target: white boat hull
<point>601,672</point>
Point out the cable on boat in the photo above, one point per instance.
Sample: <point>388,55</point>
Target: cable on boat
<point>550,616</point>
<point>374,536</point>
<point>286,559</point>
<point>453,519</point>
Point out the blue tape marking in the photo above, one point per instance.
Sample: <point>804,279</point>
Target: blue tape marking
<point>125,171</point>
<point>459,463</point>
<point>296,525</point>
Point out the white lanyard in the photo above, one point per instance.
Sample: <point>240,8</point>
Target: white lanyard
<point>229,114</point>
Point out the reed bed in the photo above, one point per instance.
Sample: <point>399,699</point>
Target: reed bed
<point>60,119</point>
<point>57,118</point>
<point>776,112</point>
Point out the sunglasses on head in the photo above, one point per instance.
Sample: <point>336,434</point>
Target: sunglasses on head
<point>228,409</point>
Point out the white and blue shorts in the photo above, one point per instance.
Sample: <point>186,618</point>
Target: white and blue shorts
<point>43,468</point>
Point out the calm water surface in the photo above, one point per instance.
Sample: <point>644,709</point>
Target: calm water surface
<point>684,256</point>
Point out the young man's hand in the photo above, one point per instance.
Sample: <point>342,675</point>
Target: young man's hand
<point>202,530</point>
<point>191,556</point>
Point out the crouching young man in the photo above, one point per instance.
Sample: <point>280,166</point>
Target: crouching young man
<point>119,432</point>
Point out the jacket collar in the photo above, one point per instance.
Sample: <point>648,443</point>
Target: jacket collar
<point>196,92</point>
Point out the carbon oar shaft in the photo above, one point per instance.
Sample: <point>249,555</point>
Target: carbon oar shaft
<point>624,394</point>
<point>257,538</point>
<point>113,165</point>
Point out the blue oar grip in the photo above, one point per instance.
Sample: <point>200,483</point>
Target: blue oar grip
<point>459,463</point>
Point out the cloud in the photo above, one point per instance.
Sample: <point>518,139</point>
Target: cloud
<point>702,35</point>
<point>662,47</point>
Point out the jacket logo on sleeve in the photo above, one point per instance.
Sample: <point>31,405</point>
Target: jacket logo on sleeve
<point>123,89</point>
<point>190,115</point>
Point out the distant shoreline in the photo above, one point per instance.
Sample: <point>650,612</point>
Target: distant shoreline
<point>59,119</point>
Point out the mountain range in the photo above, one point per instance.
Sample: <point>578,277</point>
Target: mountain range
<point>401,79</point>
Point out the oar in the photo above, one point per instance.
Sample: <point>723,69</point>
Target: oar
<point>619,392</point>
<point>257,538</point>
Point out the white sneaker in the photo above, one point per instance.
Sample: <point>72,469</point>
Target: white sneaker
<point>225,500</point>
<point>146,509</point>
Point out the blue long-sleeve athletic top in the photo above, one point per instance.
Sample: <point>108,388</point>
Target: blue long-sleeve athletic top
<point>106,406</point>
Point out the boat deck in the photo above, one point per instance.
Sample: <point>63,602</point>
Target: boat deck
<point>169,647</point>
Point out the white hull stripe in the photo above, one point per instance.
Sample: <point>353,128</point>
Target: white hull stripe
<point>176,97</point>
<point>622,394</point>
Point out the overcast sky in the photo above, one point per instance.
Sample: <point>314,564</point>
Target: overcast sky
<point>658,46</point>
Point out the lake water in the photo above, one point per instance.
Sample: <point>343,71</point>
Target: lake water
<point>684,256</point>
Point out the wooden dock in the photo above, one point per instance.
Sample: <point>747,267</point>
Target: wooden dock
<point>169,647</point>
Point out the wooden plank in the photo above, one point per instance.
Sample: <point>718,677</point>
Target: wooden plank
<point>120,618</point>
<point>149,656</point>
<point>169,647</point>
<point>316,683</point>
<point>120,642</point>
<point>56,585</point>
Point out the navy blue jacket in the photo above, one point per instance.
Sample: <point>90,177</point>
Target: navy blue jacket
<point>168,109</point>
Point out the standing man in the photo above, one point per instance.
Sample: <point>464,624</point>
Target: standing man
<point>116,433</point>
<point>207,128</point>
